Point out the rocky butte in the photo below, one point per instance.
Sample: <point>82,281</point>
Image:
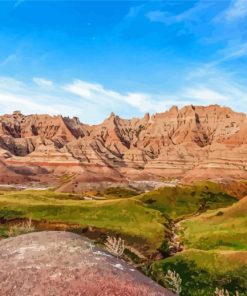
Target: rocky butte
<point>192,143</point>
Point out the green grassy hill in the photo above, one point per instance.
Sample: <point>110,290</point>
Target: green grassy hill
<point>215,252</point>
<point>126,217</point>
<point>202,271</point>
<point>224,229</point>
<point>179,201</point>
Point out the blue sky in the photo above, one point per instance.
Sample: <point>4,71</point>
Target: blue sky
<point>89,59</point>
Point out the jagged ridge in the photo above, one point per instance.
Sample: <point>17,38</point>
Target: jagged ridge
<point>169,143</point>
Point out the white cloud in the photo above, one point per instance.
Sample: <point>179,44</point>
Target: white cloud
<point>205,95</point>
<point>17,95</point>
<point>10,102</point>
<point>42,82</point>
<point>89,90</point>
<point>7,83</point>
<point>220,88</point>
<point>92,102</point>
<point>208,84</point>
<point>237,10</point>
<point>96,93</point>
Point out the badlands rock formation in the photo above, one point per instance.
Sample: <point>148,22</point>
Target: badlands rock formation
<point>65,264</point>
<point>192,143</point>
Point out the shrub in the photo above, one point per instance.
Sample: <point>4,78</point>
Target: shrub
<point>21,228</point>
<point>115,246</point>
<point>173,281</point>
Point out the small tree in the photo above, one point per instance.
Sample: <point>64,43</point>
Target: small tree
<point>115,246</point>
<point>173,281</point>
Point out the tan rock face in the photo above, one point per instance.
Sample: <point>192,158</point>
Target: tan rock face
<point>192,141</point>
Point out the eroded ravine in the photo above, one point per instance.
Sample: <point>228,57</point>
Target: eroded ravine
<point>175,242</point>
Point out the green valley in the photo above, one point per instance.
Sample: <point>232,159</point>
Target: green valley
<point>209,223</point>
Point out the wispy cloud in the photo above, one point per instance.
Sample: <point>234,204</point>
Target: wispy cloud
<point>42,82</point>
<point>10,58</point>
<point>167,18</point>
<point>90,91</point>
<point>237,10</point>
<point>203,87</point>
<point>11,101</point>
<point>205,95</point>
<point>234,52</point>
<point>209,84</point>
<point>16,94</point>
<point>228,54</point>
<point>96,93</point>
<point>11,84</point>
<point>92,102</point>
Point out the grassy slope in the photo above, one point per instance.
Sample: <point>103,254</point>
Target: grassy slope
<point>135,217</point>
<point>215,255</point>
<point>218,229</point>
<point>202,271</point>
<point>119,192</point>
<point>126,216</point>
<point>141,218</point>
<point>180,201</point>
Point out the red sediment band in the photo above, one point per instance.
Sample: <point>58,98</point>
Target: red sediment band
<point>39,163</point>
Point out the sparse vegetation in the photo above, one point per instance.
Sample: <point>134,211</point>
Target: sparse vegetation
<point>222,292</point>
<point>119,192</point>
<point>173,281</point>
<point>115,246</point>
<point>21,228</point>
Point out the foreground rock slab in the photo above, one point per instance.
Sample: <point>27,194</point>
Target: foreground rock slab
<point>62,263</point>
